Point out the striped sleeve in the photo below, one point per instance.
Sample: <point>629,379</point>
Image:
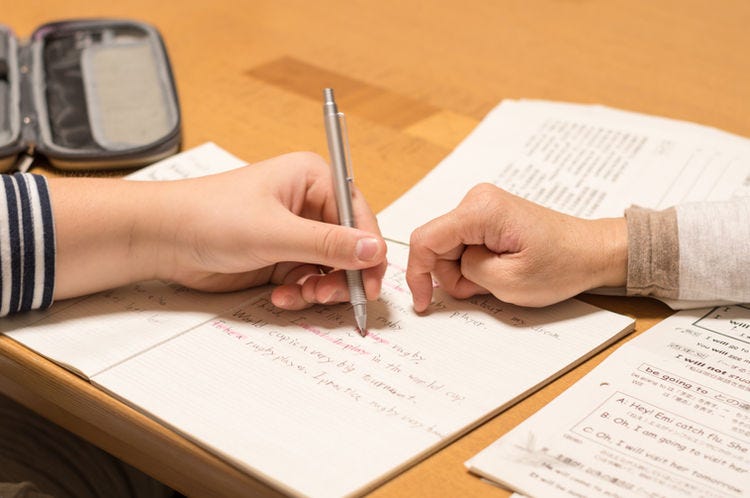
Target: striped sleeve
<point>27,244</point>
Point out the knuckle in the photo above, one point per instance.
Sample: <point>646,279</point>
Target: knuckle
<point>483,191</point>
<point>417,237</point>
<point>308,157</point>
<point>329,244</point>
<point>483,196</point>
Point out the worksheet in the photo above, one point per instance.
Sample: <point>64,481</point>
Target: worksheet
<point>586,160</point>
<point>667,414</point>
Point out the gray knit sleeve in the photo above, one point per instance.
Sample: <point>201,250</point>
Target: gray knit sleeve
<point>694,252</point>
<point>653,253</point>
<point>27,244</point>
<point>715,250</point>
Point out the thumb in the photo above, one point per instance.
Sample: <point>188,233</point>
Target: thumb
<point>309,241</point>
<point>483,268</point>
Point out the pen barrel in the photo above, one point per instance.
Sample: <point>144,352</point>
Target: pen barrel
<point>356,288</point>
<point>341,185</point>
<point>342,189</point>
<point>339,167</point>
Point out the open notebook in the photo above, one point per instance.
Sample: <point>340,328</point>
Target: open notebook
<point>299,399</point>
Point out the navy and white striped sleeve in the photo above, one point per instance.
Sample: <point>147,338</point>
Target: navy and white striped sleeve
<point>27,244</point>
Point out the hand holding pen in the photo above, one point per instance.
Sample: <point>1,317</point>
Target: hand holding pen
<point>177,231</point>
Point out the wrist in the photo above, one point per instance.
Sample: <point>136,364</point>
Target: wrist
<point>148,224</point>
<point>610,253</point>
<point>152,236</point>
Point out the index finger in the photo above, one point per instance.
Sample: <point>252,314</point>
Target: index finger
<point>436,241</point>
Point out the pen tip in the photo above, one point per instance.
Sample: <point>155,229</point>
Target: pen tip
<point>328,94</point>
<point>361,318</point>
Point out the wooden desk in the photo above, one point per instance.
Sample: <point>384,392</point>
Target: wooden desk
<point>415,78</point>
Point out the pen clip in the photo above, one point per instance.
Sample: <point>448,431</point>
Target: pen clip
<point>347,150</point>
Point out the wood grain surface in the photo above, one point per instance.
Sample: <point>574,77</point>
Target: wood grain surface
<point>414,78</point>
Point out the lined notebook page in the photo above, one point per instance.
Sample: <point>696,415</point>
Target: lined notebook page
<point>302,401</point>
<point>88,335</point>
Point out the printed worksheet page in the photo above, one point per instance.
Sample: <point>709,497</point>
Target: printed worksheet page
<point>667,414</point>
<point>586,160</point>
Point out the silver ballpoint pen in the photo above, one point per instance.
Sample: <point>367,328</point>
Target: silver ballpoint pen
<point>339,152</point>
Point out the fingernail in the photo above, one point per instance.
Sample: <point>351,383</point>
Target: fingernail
<point>366,249</point>
<point>284,301</point>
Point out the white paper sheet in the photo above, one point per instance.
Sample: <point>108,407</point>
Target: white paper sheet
<point>585,160</point>
<point>667,414</point>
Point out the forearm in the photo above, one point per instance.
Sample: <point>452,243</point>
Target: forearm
<point>107,232</point>
<point>272,222</point>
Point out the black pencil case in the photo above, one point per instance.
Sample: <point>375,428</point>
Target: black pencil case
<point>87,94</point>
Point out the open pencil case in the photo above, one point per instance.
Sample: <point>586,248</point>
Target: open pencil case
<point>87,94</point>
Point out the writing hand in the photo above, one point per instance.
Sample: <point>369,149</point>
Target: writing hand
<point>271,222</point>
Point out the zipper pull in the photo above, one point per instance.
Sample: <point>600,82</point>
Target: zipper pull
<point>25,160</point>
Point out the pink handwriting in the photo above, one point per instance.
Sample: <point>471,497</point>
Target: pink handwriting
<point>222,325</point>
<point>377,338</point>
<point>334,340</point>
